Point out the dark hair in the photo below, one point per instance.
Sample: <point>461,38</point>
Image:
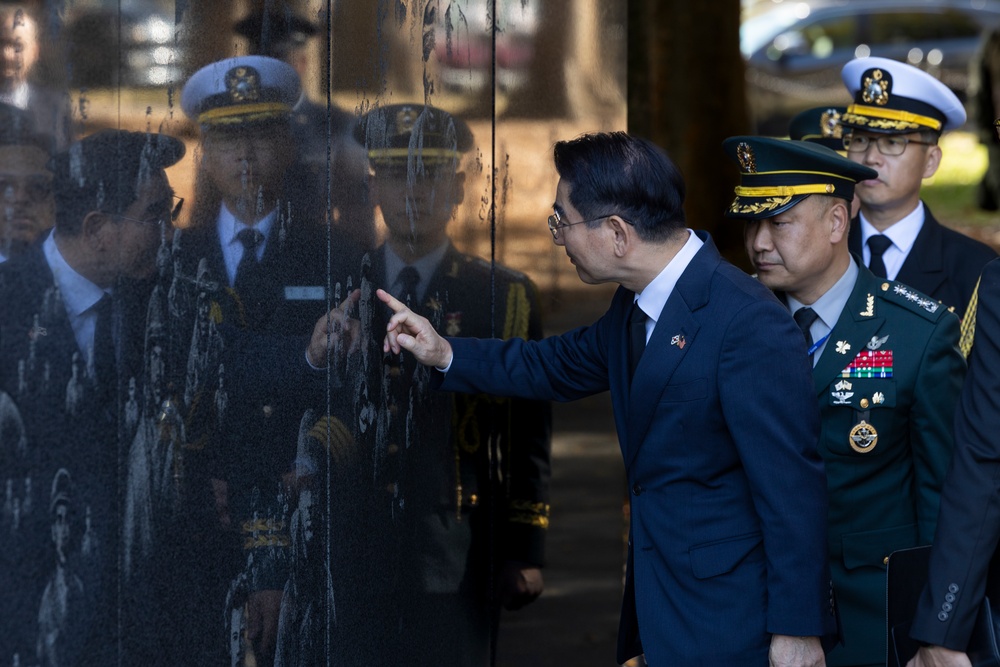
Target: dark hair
<point>104,172</point>
<point>614,173</point>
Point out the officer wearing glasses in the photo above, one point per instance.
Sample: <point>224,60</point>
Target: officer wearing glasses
<point>893,126</point>
<point>26,205</point>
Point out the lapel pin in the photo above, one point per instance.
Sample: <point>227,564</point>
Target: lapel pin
<point>876,342</point>
<point>678,340</point>
<point>843,346</point>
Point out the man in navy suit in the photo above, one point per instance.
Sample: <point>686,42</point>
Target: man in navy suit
<point>717,425</point>
<point>893,126</point>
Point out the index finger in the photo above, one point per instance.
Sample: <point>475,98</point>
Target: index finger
<point>395,304</point>
<point>351,299</point>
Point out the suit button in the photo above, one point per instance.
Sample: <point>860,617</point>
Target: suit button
<point>943,616</point>
<point>392,449</point>
<point>864,403</point>
<point>474,500</point>
<point>952,588</point>
<point>267,410</point>
<point>946,607</point>
<point>885,561</point>
<point>637,489</point>
<point>949,597</point>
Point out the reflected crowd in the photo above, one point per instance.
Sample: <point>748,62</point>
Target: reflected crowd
<point>205,455</point>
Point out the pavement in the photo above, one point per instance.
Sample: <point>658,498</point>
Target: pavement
<point>575,621</point>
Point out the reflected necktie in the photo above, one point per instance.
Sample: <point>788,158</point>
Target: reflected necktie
<point>878,244</point>
<point>250,282</point>
<point>408,280</point>
<point>804,317</point>
<point>636,336</point>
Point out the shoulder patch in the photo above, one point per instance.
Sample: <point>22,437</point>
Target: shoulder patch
<point>911,299</point>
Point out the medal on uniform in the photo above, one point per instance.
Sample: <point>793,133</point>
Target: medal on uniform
<point>863,437</point>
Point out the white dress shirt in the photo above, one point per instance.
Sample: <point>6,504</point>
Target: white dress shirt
<point>228,228</point>
<point>903,234</point>
<point>655,295</point>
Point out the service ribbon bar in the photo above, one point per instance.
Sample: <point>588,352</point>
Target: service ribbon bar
<point>870,364</point>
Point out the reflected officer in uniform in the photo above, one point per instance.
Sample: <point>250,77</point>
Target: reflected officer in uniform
<point>258,232</point>
<point>886,370</point>
<point>452,574</point>
<point>893,126</point>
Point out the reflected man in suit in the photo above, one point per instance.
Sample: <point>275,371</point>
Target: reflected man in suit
<point>71,335</point>
<point>886,371</point>
<point>894,126</point>
<point>728,505</point>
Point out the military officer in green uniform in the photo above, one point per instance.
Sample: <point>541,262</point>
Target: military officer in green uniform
<point>886,368</point>
<point>463,479</point>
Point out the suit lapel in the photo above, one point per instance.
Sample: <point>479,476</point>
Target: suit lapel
<point>924,265</point>
<point>856,325</point>
<point>673,338</point>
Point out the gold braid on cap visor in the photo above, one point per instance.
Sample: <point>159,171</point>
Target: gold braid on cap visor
<point>241,113</point>
<point>422,153</point>
<point>861,115</point>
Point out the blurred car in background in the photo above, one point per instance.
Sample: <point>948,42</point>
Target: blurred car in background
<point>795,51</point>
<point>132,44</point>
<point>464,46</point>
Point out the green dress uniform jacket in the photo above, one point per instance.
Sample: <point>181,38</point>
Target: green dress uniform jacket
<point>888,382</point>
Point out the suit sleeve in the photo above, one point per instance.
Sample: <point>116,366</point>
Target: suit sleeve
<point>559,368</point>
<point>770,408</point>
<point>969,524</point>
<point>932,415</point>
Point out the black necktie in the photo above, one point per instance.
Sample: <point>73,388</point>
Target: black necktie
<point>878,244</point>
<point>250,282</point>
<point>408,280</point>
<point>636,336</point>
<point>804,317</point>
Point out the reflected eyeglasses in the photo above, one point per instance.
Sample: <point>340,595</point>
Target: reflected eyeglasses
<point>163,220</point>
<point>888,144</point>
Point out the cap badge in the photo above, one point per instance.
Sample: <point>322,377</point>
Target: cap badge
<point>744,153</point>
<point>406,118</point>
<point>863,437</point>
<point>243,84</point>
<point>829,124</point>
<point>875,88</point>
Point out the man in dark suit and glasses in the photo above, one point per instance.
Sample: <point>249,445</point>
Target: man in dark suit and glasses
<point>72,318</point>
<point>728,504</point>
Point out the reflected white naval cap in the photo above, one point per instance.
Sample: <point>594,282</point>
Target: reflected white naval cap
<point>894,97</point>
<point>241,90</point>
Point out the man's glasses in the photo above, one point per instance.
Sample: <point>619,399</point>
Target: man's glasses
<point>162,220</point>
<point>888,144</point>
<point>556,223</point>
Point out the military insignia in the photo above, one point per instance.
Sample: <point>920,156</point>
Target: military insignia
<point>829,124</point>
<point>863,437</point>
<point>843,347</point>
<point>434,304</point>
<point>243,84</point>
<point>869,311</point>
<point>876,342</point>
<point>878,398</point>
<point>842,385</point>
<point>678,340</point>
<point>875,88</point>
<point>744,153</point>
<point>405,119</point>
<point>929,305</point>
<point>453,323</point>
<point>870,364</point>
<point>841,397</point>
